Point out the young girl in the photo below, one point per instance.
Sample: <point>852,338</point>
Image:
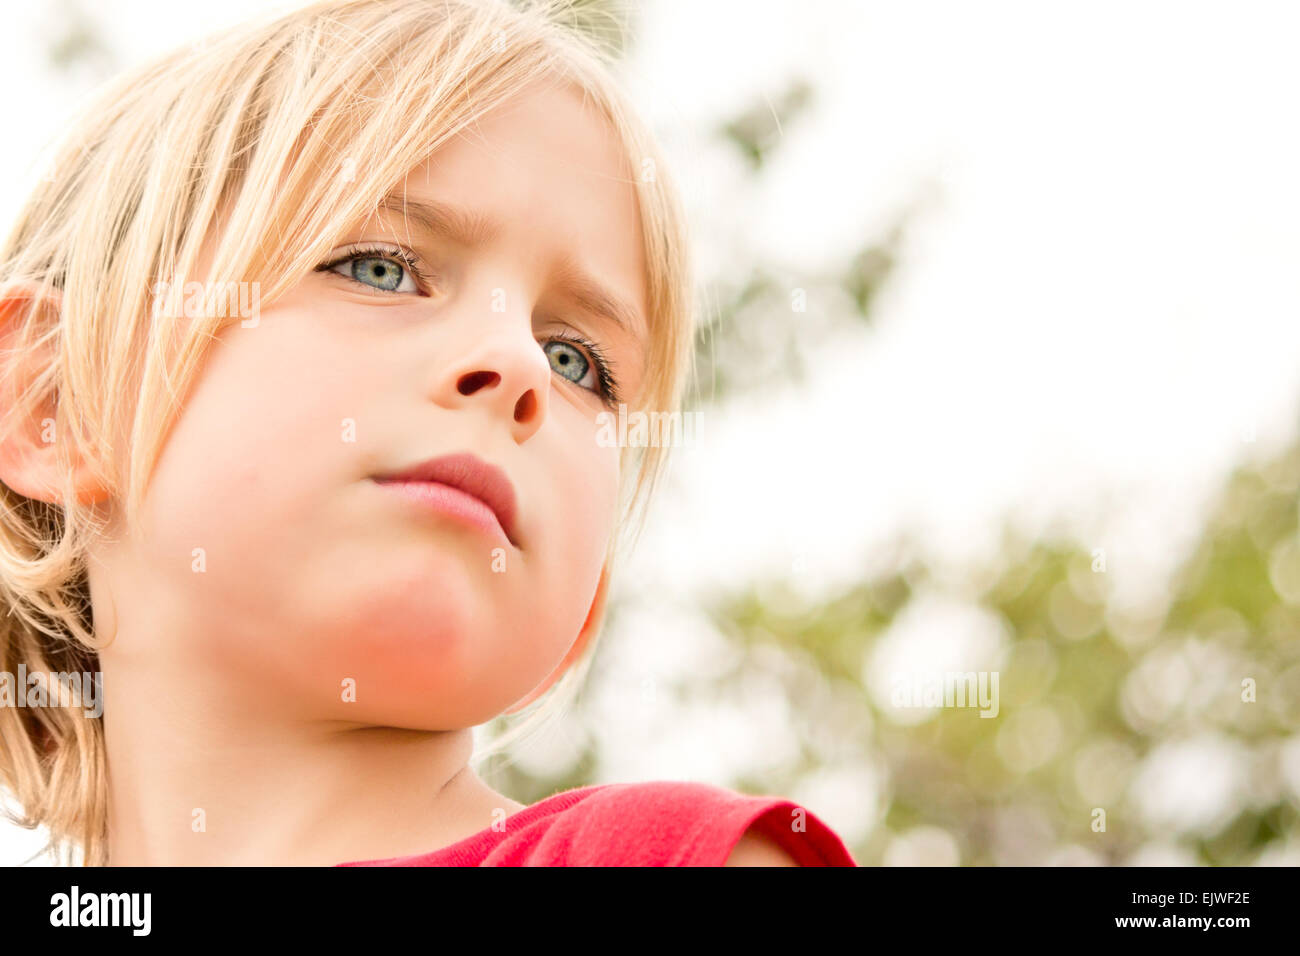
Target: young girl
<point>307,337</point>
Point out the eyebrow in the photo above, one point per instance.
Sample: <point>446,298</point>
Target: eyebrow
<point>474,229</point>
<point>594,297</point>
<point>463,226</point>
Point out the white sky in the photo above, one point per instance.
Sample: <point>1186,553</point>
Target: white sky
<point>1094,319</point>
<point>1099,306</point>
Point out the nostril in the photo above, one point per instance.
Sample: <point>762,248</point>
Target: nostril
<point>471,383</point>
<point>524,408</point>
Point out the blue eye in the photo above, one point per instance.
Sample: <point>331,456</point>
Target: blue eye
<point>568,361</point>
<point>582,362</point>
<point>386,270</point>
<point>382,273</point>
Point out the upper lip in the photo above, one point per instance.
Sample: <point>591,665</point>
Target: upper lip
<point>472,475</point>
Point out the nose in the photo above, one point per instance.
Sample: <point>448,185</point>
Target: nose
<point>507,374</point>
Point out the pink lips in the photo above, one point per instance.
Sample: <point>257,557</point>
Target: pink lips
<point>462,486</point>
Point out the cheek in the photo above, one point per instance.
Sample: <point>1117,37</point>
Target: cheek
<point>586,512</point>
<point>242,448</point>
<point>223,468</point>
<point>264,431</point>
<point>236,506</point>
<point>586,506</point>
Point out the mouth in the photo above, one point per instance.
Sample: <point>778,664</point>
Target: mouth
<point>462,486</point>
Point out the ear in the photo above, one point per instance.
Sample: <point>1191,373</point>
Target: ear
<point>590,627</point>
<point>29,461</point>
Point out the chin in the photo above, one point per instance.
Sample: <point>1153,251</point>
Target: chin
<point>418,632</point>
<point>412,700</point>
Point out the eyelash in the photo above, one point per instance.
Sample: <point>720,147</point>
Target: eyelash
<point>606,383</point>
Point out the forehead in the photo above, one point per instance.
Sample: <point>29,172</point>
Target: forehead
<point>546,180</point>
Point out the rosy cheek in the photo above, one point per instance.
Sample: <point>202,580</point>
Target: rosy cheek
<point>593,493</point>
<point>610,470</point>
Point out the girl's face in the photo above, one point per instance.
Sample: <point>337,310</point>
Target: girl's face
<point>311,574</point>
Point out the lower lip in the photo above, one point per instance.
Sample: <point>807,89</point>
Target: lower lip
<point>449,501</point>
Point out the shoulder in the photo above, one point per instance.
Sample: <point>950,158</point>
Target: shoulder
<point>756,849</point>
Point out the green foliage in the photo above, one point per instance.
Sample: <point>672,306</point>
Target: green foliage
<point>950,771</point>
<point>759,130</point>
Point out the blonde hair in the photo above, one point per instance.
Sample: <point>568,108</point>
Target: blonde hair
<point>247,135</point>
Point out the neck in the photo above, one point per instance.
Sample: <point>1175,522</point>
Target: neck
<point>201,778</point>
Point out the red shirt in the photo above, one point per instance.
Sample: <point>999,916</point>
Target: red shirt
<point>660,823</point>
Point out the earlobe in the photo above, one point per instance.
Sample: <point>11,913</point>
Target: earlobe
<point>29,459</point>
<point>590,627</point>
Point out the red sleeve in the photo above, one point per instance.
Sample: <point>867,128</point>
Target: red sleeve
<point>672,823</point>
